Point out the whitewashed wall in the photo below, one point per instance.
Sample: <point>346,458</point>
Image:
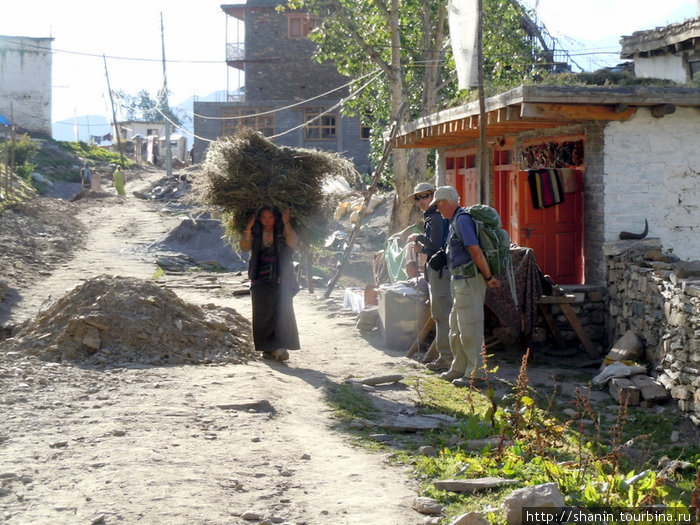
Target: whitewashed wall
<point>25,82</point>
<point>663,66</point>
<point>652,171</point>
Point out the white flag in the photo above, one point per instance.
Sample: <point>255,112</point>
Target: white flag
<point>463,17</point>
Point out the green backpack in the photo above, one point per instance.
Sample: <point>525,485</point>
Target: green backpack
<point>494,242</point>
<point>493,239</point>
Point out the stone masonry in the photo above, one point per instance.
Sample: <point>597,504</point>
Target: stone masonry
<point>657,296</point>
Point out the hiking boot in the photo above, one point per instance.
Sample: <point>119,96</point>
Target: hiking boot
<point>280,354</point>
<point>439,364</point>
<point>465,381</point>
<point>451,374</point>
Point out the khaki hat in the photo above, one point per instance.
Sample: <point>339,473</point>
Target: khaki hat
<point>445,193</point>
<point>422,187</point>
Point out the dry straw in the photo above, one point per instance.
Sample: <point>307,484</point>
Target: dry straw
<point>245,172</point>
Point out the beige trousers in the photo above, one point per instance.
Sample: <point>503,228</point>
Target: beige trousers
<point>467,324</point>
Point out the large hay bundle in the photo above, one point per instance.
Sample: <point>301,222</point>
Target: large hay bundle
<point>245,172</point>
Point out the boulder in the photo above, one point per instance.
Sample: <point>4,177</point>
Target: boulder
<point>546,496</point>
<point>628,348</point>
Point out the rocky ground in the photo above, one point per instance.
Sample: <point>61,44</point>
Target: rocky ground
<point>131,399</point>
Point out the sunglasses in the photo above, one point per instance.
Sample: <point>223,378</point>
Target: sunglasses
<point>423,196</point>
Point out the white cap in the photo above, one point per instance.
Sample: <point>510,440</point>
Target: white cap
<point>445,193</point>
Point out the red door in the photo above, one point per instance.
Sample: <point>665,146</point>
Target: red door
<point>554,233</point>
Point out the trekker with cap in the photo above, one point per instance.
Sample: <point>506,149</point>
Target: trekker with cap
<point>468,289</point>
<point>429,243</point>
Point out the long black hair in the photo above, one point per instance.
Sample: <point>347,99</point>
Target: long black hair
<point>279,224</point>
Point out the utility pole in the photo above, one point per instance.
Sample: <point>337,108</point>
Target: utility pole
<point>484,186</point>
<point>114,115</point>
<point>164,108</point>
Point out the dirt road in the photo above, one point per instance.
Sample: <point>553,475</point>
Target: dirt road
<point>198,444</point>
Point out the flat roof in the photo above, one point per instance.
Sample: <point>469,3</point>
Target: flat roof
<point>528,108</point>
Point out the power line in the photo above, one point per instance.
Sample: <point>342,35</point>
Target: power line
<point>303,102</point>
<point>332,108</point>
<point>112,57</point>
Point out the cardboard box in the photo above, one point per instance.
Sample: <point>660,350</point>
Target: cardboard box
<point>402,313</point>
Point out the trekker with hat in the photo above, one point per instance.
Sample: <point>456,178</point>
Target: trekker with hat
<point>468,289</point>
<point>429,243</point>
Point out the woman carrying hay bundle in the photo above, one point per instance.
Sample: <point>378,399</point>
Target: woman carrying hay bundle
<point>270,238</point>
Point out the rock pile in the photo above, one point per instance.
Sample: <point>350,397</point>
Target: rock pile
<point>116,321</point>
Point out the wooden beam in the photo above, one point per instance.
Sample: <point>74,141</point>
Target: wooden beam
<point>574,112</point>
<point>662,110</point>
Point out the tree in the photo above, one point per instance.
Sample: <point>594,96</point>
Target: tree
<point>143,107</point>
<point>406,42</point>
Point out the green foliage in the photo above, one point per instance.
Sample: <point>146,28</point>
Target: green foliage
<point>356,35</point>
<point>95,153</point>
<point>510,55</point>
<point>25,150</point>
<point>602,77</point>
<point>533,446</point>
<point>143,107</point>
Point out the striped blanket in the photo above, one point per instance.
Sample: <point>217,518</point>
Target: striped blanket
<point>545,187</point>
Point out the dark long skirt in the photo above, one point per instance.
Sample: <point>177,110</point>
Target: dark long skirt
<point>274,323</point>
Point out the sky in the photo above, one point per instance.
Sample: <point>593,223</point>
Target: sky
<point>128,33</point>
<point>592,28</point>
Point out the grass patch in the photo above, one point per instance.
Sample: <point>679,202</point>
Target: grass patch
<point>532,442</point>
<point>441,396</point>
<point>348,403</point>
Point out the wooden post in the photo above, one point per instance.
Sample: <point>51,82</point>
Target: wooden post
<point>368,196</point>
<point>114,115</point>
<point>308,257</point>
<point>165,110</point>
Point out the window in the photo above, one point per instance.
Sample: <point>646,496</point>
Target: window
<point>319,127</point>
<point>238,118</point>
<point>299,25</point>
<point>152,131</point>
<point>694,68</point>
<point>365,130</point>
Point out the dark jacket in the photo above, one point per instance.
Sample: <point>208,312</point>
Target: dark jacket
<point>436,228</point>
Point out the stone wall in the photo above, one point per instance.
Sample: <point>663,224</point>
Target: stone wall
<point>25,82</point>
<point>590,308</point>
<point>657,296</point>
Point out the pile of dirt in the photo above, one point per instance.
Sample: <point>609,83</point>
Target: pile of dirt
<point>201,241</point>
<point>116,321</point>
<point>35,237</point>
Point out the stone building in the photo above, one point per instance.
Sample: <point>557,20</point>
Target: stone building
<point>25,82</point>
<point>671,52</point>
<point>288,96</point>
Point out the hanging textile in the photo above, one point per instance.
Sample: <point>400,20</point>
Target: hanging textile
<point>569,179</point>
<point>545,188</point>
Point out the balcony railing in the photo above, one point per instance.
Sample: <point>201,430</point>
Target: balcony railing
<point>235,51</point>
